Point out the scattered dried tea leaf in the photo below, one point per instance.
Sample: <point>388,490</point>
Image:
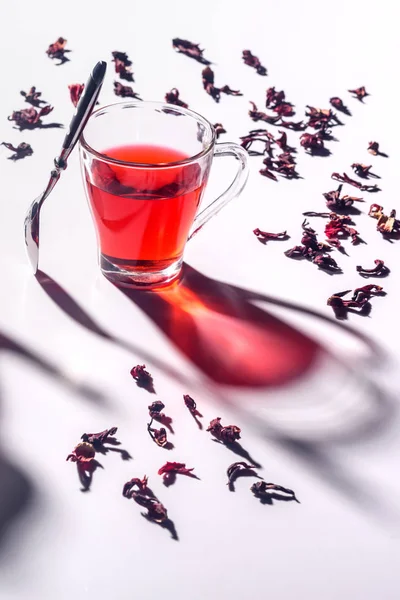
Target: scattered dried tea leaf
<point>122,65</point>
<point>33,97</point>
<point>143,378</point>
<point>373,148</point>
<point>99,439</point>
<point>227,435</point>
<point>57,51</point>
<point>339,225</point>
<point>338,104</point>
<point>314,143</point>
<point>189,49</point>
<point>321,118</point>
<point>363,170</point>
<point>359,301</point>
<point>257,115</point>
<point>266,236</point>
<point>144,497</point>
<point>75,91</point>
<point>29,118</point>
<point>124,91</point>
<point>141,484</point>
<point>380,269</point>
<point>258,136</point>
<point>336,203</point>
<point>172,97</point>
<point>312,250</point>
<point>284,164</point>
<point>175,467</point>
<point>346,179</point>
<point>237,469</point>
<point>253,61</point>
<point>21,151</point>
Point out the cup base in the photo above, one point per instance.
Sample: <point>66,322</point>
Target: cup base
<point>140,279</point>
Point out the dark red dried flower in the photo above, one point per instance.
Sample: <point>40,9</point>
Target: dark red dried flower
<point>373,148</point>
<point>124,91</point>
<point>57,51</point>
<point>29,118</point>
<point>321,118</point>
<point>360,300</point>
<point>141,484</point>
<point>284,164</point>
<point>83,453</point>
<point>189,49</point>
<point>159,436</point>
<point>284,110</point>
<point>380,269</point>
<point>253,61</point>
<point>262,490</point>
<point>122,65</point>
<point>21,151</point>
<point>346,179</point>
<point>294,125</point>
<point>75,91</point>
<point>257,115</point>
<point>338,104</point>
<point>363,170</point>
<point>212,90</point>
<point>99,439</point>
<point>359,93</point>
<point>33,97</point>
<point>143,378</point>
<point>265,236</point>
<point>386,224</point>
<point>335,203</point>
<point>227,435</point>
<point>274,98</point>
<point>235,469</point>
<point>155,409</point>
<point>313,250</point>
<point>219,129</point>
<point>339,225</point>
<point>258,135</point>
<point>172,97</point>
<point>175,467</point>
<point>190,403</point>
<point>312,142</point>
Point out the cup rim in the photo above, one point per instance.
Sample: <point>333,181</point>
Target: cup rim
<point>159,105</point>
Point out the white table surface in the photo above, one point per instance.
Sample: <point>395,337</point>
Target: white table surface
<point>330,431</point>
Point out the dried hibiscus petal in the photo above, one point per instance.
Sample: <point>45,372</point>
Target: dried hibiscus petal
<point>99,439</point>
<point>143,378</point>
<point>155,409</point>
<point>189,49</point>
<point>33,97</point>
<point>75,91</point>
<point>239,468</point>
<point>339,225</point>
<point>294,125</point>
<point>124,91</point>
<point>336,203</point>
<point>313,250</point>
<point>227,435</point>
<point>346,179</point>
<point>122,65</point>
<point>255,136</point>
<point>57,51</point>
<point>380,269</point>
<point>262,490</point>
<point>386,224</point>
<point>265,236</point>
<point>359,301</point>
<point>212,90</point>
<point>21,151</point>
<point>359,93</point>
<point>141,484</point>
<point>338,104</point>
<point>363,170</point>
<point>175,467</point>
<point>29,118</point>
<point>253,61</point>
<point>274,98</point>
<point>84,452</point>
<point>159,436</point>
<point>373,148</point>
<point>219,129</point>
<point>257,115</point>
<point>284,110</point>
<point>172,97</point>
<point>312,142</point>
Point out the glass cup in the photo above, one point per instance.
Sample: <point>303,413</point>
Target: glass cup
<point>145,168</point>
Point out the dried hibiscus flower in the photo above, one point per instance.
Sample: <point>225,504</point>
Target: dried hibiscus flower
<point>84,457</point>
<point>21,151</point>
<point>373,148</point>
<point>253,61</point>
<point>227,435</point>
<point>363,170</point>
<point>159,436</point>
<point>293,125</point>
<point>191,405</point>
<point>57,51</point>
<point>238,469</point>
<point>340,225</point>
<point>321,118</point>
<point>75,91</point>
<point>314,143</point>
<point>360,300</point>
<point>33,97</point>
<point>313,250</point>
<point>359,93</point>
<point>336,203</point>
<point>386,224</point>
<point>262,490</point>
<point>155,409</point>
<point>346,179</point>
<point>284,164</point>
<point>124,91</point>
<point>171,469</point>
<point>144,497</point>
<point>189,49</point>
<point>265,236</point>
<point>99,439</point>
<point>257,115</point>
<point>141,484</point>
<point>338,104</point>
<point>172,97</point>
<point>212,90</point>
<point>255,136</point>
<point>84,452</point>
<point>143,378</point>
<point>122,65</point>
<point>219,129</point>
<point>380,270</point>
<point>29,118</point>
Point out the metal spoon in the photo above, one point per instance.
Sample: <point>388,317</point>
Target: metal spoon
<point>77,125</point>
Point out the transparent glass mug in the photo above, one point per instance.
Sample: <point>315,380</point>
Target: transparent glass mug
<point>145,168</point>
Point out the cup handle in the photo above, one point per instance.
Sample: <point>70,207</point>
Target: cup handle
<point>237,185</point>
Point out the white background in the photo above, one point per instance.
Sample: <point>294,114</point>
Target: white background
<point>330,434</point>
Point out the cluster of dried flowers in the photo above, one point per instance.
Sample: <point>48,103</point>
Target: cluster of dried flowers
<point>360,300</point>
<point>122,66</point>
<point>313,250</point>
